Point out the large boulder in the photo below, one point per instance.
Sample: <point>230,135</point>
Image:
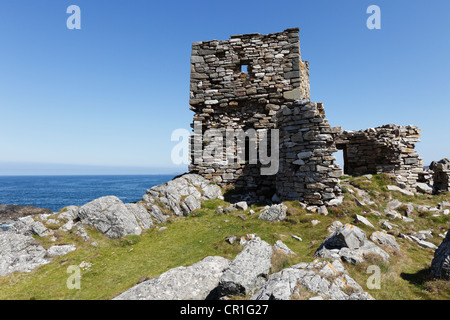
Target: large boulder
<point>20,253</point>
<point>195,282</point>
<point>110,216</point>
<point>276,212</point>
<point>440,266</point>
<point>327,280</point>
<point>183,194</point>
<point>349,243</point>
<point>248,271</point>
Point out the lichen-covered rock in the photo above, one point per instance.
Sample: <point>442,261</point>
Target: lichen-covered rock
<point>110,216</point>
<point>183,194</point>
<point>20,253</point>
<point>328,280</point>
<point>141,214</point>
<point>279,245</point>
<point>29,227</point>
<point>350,244</point>
<point>248,270</point>
<point>276,212</point>
<point>195,282</point>
<point>69,213</point>
<point>383,239</point>
<point>60,250</point>
<point>440,266</point>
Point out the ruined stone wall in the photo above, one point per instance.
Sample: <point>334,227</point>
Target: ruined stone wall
<point>307,167</point>
<point>385,149</point>
<point>441,176</point>
<point>225,95</point>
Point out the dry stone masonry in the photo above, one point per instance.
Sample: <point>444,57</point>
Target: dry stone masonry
<point>386,149</point>
<point>260,82</point>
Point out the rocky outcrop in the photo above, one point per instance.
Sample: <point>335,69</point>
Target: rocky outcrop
<point>195,282</point>
<point>327,280</point>
<point>248,271</point>
<point>10,213</point>
<point>349,243</point>
<point>276,212</point>
<point>440,266</point>
<point>183,194</point>
<point>29,227</point>
<point>110,216</point>
<point>20,253</point>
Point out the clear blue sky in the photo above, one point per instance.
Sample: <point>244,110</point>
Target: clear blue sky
<point>106,98</point>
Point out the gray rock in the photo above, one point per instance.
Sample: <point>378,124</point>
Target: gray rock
<point>383,239</point>
<point>20,253</point>
<point>440,266</point>
<point>110,216</point>
<point>279,245</point>
<point>231,239</point>
<point>60,250</point>
<point>157,214</point>
<point>141,214</point>
<point>276,212</point>
<point>196,282</point>
<point>69,213</point>
<point>189,204</point>
<point>393,204</point>
<point>349,243</point>
<point>242,205</point>
<point>67,226</point>
<point>247,271</point>
<point>318,277</point>
<point>396,188</point>
<point>183,194</point>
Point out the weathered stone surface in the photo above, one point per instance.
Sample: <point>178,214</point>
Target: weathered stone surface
<point>328,280</point>
<point>195,282</point>
<point>247,271</point>
<point>386,149</point>
<point>396,188</point>
<point>279,245</point>
<point>276,212</point>
<point>141,214</point>
<point>110,216</point>
<point>157,214</point>
<point>20,253</point>
<point>241,205</point>
<point>10,213</point>
<point>182,195</point>
<point>383,239</point>
<point>61,250</point>
<point>440,266</point>
<point>363,220</point>
<point>69,213</point>
<point>28,226</point>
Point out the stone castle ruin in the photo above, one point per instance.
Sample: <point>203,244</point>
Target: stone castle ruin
<point>260,82</point>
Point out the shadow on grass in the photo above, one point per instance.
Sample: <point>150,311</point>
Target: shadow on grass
<point>419,278</point>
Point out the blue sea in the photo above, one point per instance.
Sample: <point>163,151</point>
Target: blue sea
<point>56,192</point>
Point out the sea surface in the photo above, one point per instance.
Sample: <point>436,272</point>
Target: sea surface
<point>56,192</point>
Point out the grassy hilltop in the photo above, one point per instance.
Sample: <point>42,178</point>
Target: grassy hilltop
<point>115,265</point>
